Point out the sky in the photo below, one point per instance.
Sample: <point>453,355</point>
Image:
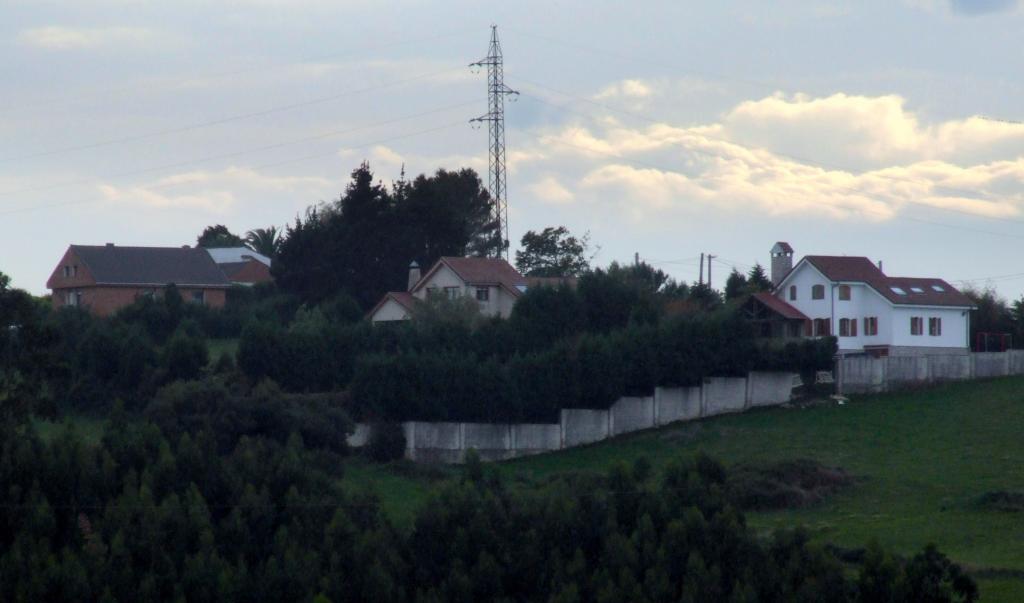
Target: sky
<point>890,129</point>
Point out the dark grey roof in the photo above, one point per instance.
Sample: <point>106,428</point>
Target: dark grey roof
<point>115,265</point>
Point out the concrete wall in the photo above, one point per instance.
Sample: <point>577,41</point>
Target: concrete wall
<point>583,426</point>
<point>677,404</point>
<point>723,395</point>
<point>769,389</point>
<point>632,414</point>
<point>862,374</point>
<point>448,442</point>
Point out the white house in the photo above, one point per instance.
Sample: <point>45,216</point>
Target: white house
<point>869,312</point>
<point>492,282</point>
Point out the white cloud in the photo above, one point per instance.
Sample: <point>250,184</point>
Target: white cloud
<point>550,190</point>
<point>626,88</point>
<point>57,37</point>
<point>213,192</point>
<point>879,159</point>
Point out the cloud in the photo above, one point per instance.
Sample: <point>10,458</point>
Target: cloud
<point>766,155</point>
<point>57,37</point>
<point>625,88</point>
<point>550,190</point>
<point>968,7</point>
<point>865,131</point>
<point>213,192</point>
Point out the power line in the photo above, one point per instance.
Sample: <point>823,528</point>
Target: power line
<point>222,120</point>
<point>63,100</point>
<point>207,159</point>
<point>796,158</point>
<point>255,167</point>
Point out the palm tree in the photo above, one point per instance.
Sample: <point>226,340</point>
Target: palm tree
<point>266,241</point>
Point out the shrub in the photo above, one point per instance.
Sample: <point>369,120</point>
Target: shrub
<point>186,356</point>
<point>387,442</point>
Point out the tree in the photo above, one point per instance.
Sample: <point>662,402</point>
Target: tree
<point>218,236</point>
<point>736,285</point>
<point>757,280</point>
<point>362,244</point>
<point>266,241</point>
<point>23,349</point>
<point>553,252</point>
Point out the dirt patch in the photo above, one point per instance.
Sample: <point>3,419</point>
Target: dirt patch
<point>786,485</point>
<point>1002,500</point>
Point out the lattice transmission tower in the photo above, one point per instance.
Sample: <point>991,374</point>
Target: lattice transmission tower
<point>495,118</point>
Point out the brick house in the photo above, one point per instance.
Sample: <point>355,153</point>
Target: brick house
<point>242,265</point>
<point>105,278</point>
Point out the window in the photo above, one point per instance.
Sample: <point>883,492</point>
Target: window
<point>818,292</point>
<point>483,294</point>
<point>73,298</point>
<point>844,293</point>
<point>935,326</point>
<point>916,323</point>
<point>74,270</point>
<point>199,297</point>
<point>937,288</point>
<point>898,290</point>
<point>844,327</point>
<point>451,292</point>
<point>822,327</point>
<point>870,325</point>
<point>916,290</point>
<point>792,293</point>
<point>67,271</point>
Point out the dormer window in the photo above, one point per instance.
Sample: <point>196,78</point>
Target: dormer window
<point>844,293</point>
<point>818,292</point>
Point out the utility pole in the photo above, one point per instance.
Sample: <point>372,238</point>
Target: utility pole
<point>701,281</point>
<point>710,257</point>
<point>495,117</point>
<point>636,258</point>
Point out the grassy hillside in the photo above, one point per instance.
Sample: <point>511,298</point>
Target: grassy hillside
<point>922,458</point>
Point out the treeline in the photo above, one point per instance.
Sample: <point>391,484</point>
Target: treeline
<point>615,334</point>
<point>178,513</point>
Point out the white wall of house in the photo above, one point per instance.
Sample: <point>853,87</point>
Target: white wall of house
<point>954,327</point>
<point>804,279</point>
<point>499,301</point>
<point>390,310</point>
<point>893,320</point>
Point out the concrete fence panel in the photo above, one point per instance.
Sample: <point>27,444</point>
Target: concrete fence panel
<point>534,438</point>
<point>991,364</point>
<point>724,395</point>
<point>770,389</point>
<point>632,414</point>
<point>583,426</point>
<point>676,404</point>
<point>861,374</point>
<point>949,367</point>
<point>436,442</point>
<point>902,370</point>
<point>1016,362</point>
<point>492,441</point>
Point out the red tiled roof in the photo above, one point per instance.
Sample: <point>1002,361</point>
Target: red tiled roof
<point>861,269</point>
<point>779,306</point>
<point>402,298</point>
<point>481,271</point>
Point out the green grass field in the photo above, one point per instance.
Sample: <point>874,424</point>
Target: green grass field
<point>922,459</point>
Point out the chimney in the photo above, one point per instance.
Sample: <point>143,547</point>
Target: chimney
<point>109,245</point>
<point>782,262</point>
<point>414,274</point>
<point>880,266</point>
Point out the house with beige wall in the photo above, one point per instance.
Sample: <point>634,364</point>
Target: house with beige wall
<point>492,282</point>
